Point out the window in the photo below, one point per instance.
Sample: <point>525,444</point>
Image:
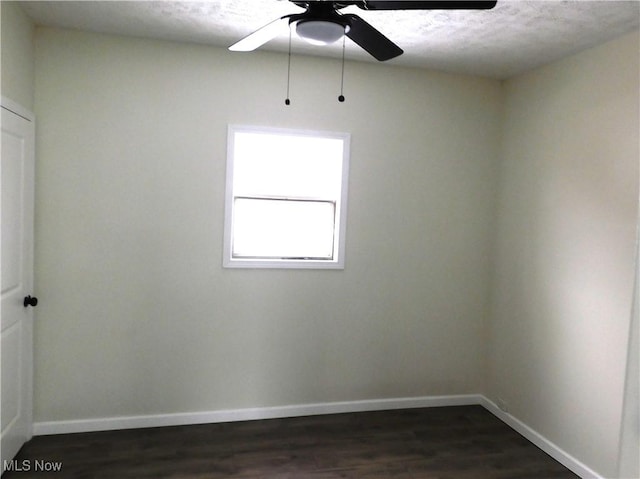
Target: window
<point>286,198</point>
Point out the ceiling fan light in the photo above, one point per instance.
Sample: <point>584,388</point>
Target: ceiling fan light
<point>320,32</point>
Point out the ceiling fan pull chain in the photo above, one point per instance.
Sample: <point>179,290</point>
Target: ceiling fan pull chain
<point>341,97</point>
<point>287,101</point>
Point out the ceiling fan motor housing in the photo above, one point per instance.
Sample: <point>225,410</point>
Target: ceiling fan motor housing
<point>321,24</point>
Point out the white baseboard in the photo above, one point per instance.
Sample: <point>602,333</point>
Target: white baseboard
<point>248,414</point>
<point>540,441</point>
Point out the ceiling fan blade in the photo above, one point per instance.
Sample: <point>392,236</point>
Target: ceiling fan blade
<point>262,35</point>
<point>370,39</point>
<point>426,5</point>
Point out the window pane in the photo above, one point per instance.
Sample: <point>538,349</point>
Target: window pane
<point>267,228</point>
<point>287,166</point>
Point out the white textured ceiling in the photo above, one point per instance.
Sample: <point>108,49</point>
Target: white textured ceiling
<point>514,37</point>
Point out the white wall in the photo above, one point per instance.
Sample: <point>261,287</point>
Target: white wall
<point>629,457</point>
<point>17,52</point>
<point>137,315</point>
<point>565,249</point>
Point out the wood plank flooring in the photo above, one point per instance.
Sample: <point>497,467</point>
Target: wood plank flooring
<point>464,442</point>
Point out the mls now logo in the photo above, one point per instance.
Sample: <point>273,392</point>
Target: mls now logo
<point>27,465</point>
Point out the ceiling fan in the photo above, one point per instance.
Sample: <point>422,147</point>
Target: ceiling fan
<point>322,23</point>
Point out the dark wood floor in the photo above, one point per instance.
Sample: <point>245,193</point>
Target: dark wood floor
<point>435,443</point>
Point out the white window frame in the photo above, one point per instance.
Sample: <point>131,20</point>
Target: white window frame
<point>339,240</point>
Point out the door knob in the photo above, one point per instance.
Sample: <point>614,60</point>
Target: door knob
<point>30,301</point>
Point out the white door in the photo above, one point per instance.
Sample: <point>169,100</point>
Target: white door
<point>16,238</point>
